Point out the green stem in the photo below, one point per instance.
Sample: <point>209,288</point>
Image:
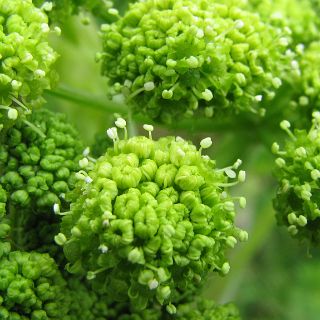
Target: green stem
<point>93,102</point>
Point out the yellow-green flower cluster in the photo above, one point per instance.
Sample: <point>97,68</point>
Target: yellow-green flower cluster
<point>150,218</point>
<point>59,11</point>
<point>207,310</point>
<point>26,59</point>
<point>297,15</point>
<point>4,223</point>
<point>170,58</point>
<point>298,173</point>
<point>306,83</point>
<point>31,287</point>
<point>38,162</point>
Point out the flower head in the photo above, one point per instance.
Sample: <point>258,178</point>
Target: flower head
<point>183,56</point>
<point>156,208</point>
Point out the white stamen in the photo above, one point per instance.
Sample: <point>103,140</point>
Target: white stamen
<point>112,133</point>
<point>207,95</point>
<point>148,127</point>
<point>103,248</point>
<point>83,162</point>
<point>148,86</point>
<point>153,284</point>
<point>56,208</point>
<point>120,123</point>
<point>12,114</point>
<point>206,143</point>
<point>39,73</point>
<point>258,97</point>
<point>239,24</point>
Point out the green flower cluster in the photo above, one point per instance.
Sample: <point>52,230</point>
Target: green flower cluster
<point>26,59</point>
<point>306,84</point>
<point>150,218</point>
<point>298,173</point>
<point>4,223</point>
<point>297,15</point>
<point>31,287</point>
<point>61,10</point>
<point>38,162</point>
<point>207,310</point>
<point>169,58</point>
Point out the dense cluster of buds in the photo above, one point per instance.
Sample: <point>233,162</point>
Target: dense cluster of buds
<point>171,58</point>
<point>31,287</point>
<point>297,15</point>
<point>38,163</point>
<point>150,218</point>
<point>298,172</point>
<point>26,59</point>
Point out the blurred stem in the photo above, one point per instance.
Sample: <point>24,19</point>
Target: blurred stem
<point>263,224</point>
<point>132,126</point>
<point>101,104</point>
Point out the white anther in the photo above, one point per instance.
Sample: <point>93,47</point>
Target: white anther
<point>285,124</point>
<point>47,6</point>
<point>283,41</point>
<point>112,133</point>
<point>103,248</point>
<point>148,127</point>
<point>206,143</point>
<point>258,97</point>
<point>113,11</point>
<point>301,152</point>
<point>200,34</point>
<point>45,28</point>
<point>239,24</point>
<point>207,95</point>
<point>181,152</point>
<point>56,208</point>
<point>127,83</point>
<point>106,223</point>
<point>276,82</point>
<point>148,86</point>
<point>86,151</point>
<point>12,114</point>
<point>237,164</point>
<point>39,73</point>
<point>153,284</point>
<point>242,176</point>
<point>120,123</point>
<point>230,173</point>
<point>28,57</point>
<point>16,84</point>
<point>88,179</point>
<point>83,162</point>
<point>300,48</point>
<point>192,62</point>
<point>57,30</point>
<point>294,64</point>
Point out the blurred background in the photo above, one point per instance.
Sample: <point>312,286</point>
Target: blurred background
<point>272,276</point>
